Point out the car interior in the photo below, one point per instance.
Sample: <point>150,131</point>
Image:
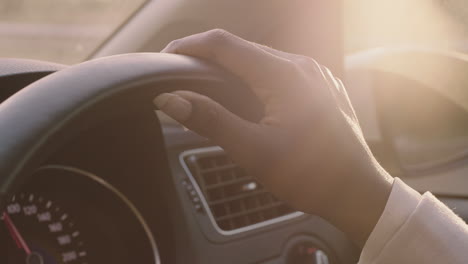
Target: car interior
<point>91,172</point>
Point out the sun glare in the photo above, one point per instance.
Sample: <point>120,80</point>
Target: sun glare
<point>375,23</point>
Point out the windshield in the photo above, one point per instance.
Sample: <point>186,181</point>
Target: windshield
<point>63,31</point>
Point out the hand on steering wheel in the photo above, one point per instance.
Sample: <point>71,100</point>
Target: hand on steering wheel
<point>308,149</point>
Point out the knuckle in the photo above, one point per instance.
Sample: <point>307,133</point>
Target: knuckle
<point>291,68</point>
<point>340,85</point>
<point>302,60</point>
<point>217,36</point>
<point>308,63</point>
<point>328,73</point>
<point>173,44</point>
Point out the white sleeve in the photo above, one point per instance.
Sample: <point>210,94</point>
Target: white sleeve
<point>416,229</point>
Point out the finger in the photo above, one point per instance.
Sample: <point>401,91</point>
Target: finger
<point>338,90</point>
<point>309,64</point>
<point>331,80</point>
<point>344,94</point>
<point>208,118</point>
<point>312,69</point>
<point>279,53</point>
<point>264,72</point>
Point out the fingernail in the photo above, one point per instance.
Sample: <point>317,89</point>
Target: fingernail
<point>174,106</point>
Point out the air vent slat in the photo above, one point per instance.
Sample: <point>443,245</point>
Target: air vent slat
<point>226,183</point>
<point>247,212</point>
<point>235,199</point>
<point>220,168</point>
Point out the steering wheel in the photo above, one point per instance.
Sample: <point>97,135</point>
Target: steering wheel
<point>43,116</point>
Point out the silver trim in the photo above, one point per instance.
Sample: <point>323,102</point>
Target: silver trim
<point>121,196</point>
<point>205,203</point>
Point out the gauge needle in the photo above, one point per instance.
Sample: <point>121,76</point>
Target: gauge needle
<point>16,234</point>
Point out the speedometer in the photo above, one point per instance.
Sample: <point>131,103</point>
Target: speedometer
<point>64,215</point>
<point>41,231</point>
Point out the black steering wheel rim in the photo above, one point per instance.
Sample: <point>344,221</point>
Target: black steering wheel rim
<point>41,117</point>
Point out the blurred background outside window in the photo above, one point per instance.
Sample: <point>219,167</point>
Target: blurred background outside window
<point>68,31</point>
<point>62,31</point>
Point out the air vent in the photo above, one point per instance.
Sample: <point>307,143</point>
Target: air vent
<point>236,201</point>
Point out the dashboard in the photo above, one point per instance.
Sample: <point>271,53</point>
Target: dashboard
<point>142,188</point>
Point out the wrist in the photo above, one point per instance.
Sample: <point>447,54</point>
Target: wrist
<point>360,203</point>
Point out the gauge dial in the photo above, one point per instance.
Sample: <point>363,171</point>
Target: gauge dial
<point>64,215</point>
<point>40,231</point>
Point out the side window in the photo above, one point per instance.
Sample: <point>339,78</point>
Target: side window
<point>63,31</point>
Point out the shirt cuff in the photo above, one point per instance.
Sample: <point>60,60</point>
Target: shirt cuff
<point>401,203</point>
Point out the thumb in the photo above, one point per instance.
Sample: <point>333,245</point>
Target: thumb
<point>209,119</point>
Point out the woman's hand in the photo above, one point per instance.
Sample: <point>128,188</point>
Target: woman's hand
<point>308,150</point>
